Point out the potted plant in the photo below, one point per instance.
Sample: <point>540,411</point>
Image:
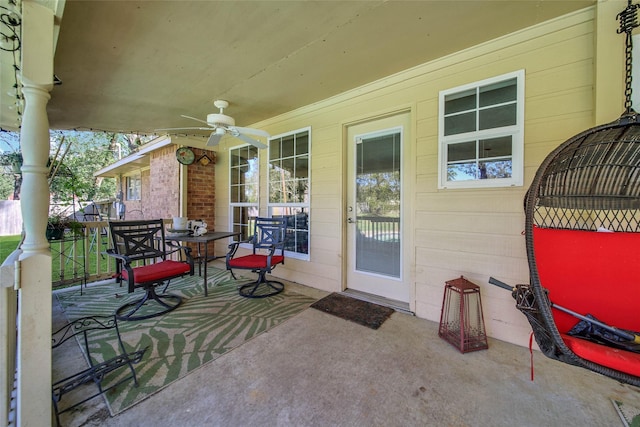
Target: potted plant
<point>57,224</point>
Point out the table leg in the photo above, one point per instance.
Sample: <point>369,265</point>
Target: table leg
<point>206,259</point>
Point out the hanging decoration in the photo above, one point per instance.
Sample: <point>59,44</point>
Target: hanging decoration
<point>10,24</point>
<point>582,230</point>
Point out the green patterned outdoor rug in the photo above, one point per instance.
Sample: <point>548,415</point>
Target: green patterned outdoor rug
<point>629,415</point>
<point>199,331</point>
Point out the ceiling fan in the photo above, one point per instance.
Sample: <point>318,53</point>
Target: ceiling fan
<point>220,124</point>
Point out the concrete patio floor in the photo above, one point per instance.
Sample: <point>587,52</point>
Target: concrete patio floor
<point>319,370</point>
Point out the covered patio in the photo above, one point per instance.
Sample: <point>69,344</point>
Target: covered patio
<point>316,369</point>
<point>329,67</point>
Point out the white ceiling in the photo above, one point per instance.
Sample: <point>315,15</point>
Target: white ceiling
<point>138,65</point>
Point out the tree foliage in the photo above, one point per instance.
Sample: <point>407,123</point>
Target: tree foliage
<point>378,193</point>
<point>9,146</point>
<point>74,158</point>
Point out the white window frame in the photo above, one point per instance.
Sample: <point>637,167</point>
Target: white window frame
<point>232,205</point>
<point>306,206</point>
<point>515,131</point>
<point>134,187</point>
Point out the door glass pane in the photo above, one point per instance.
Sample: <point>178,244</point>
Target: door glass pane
<point>378,204</point>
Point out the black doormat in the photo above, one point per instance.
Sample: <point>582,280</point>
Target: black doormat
<point>362,312</point>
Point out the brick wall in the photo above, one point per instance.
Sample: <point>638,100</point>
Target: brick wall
<point>145,194</point>
<point>160,188</point>
<point>164,182</point>
<point>201,199</point>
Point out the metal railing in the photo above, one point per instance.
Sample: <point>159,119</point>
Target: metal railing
<point>383,229</point>
<point>80,258</point>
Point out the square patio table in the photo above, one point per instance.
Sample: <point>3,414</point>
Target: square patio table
<point>204,239</point>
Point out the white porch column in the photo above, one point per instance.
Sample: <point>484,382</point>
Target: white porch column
<point>34,309</point>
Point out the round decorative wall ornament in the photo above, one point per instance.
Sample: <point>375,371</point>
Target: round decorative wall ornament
<point>185,155</point>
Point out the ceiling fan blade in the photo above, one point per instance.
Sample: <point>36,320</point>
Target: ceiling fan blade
<point>251,141</point>
<point>214,139</point>
<point>252,131</point>
<point>195,128</point>
<point>193,118</point>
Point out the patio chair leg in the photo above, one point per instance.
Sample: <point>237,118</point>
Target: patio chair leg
<point>261,288</point>
<point>166,286</point>
<point>167,303</point>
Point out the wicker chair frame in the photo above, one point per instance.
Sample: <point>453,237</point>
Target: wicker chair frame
<point>590,181</point>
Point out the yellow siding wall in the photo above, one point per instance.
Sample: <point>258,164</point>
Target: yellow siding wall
<point>475,233</point>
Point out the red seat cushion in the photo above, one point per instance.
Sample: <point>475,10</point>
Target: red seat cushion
<point>595,273</point>
<point>158,271</point>
<point>254,261</point>
<point>614,358</point>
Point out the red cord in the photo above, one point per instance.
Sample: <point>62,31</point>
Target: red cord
<point>531,351</point>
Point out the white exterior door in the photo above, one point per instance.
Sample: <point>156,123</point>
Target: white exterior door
<point>374,212</point>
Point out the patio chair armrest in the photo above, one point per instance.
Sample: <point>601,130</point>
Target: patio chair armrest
<point>233,248</point>
<point>274,247</point>
<point>272,251</point>
<point>177,248</point>
<point>123,262</point>
<point>81,326</point>
<point>114,254</point>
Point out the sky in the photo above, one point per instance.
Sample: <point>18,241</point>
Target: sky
<point>9,141</point>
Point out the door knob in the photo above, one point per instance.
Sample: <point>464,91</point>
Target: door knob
<point>350,220</point>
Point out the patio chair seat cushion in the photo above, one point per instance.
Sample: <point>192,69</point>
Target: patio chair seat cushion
<point>595,273</point>
<point>158,272</point>
<point>590,272</point>
<point>614,358</point>
<point>256,261</point>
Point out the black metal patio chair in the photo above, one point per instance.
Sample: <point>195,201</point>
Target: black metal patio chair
<point>144,261</point>
<point>267,245</point>
<point>90,331</point>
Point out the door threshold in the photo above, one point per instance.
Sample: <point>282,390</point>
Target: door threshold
<point>376,299</point>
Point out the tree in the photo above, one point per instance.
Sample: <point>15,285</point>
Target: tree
<point>6,186</point>
<point>10,154</point>
<point>74,157</point>
<point>379,193</point>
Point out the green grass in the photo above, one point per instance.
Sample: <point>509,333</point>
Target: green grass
<point>8,244</point>
<point>70,269</point>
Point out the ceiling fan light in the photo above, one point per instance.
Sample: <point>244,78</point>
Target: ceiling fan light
<point>220,119</point>
<point>220,131</point>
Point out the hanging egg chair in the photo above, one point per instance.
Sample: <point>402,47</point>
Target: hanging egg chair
<point>582,234</point>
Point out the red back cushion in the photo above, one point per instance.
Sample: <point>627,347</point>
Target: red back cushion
<point>590,272</point>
